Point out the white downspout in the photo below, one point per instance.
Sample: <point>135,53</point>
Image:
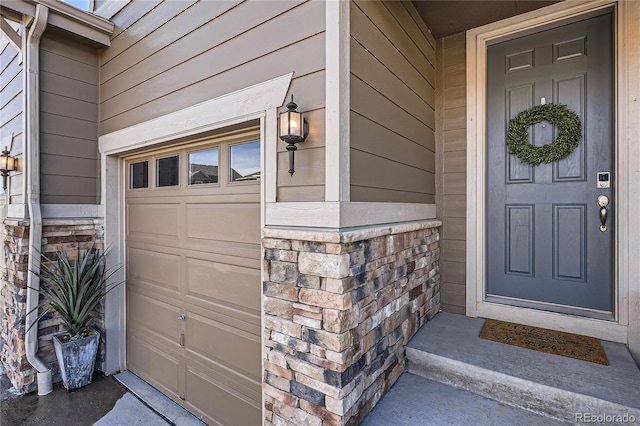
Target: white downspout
<point>32,165</point>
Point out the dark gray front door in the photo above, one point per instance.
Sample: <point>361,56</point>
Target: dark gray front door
<point>544,242</point>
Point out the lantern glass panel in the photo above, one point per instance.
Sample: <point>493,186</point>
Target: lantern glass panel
<point>284,123</point>
<point>295,124</point>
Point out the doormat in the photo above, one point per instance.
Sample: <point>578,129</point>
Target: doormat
<point>545,340</point>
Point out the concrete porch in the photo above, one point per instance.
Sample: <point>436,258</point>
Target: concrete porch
<point>454,377</point>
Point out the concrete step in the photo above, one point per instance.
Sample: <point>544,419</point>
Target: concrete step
<point>417,401</point>
<point>448,350</point>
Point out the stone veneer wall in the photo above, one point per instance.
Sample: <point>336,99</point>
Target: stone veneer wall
<point>339,310</point>
<point>69,236</point>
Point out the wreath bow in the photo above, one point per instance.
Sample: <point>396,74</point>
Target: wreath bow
<point>559,115</point>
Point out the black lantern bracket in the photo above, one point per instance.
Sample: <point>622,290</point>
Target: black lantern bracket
<point>294,129</point>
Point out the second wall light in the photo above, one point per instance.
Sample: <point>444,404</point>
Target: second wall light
<point>293,129</point>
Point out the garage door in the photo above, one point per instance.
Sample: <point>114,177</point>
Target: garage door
<point>193,275</point>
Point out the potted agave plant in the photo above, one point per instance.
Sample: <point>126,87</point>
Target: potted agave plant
<point>73,288</point>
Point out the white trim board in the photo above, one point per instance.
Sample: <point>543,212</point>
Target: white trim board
<point>349,235</point>
<point>232,108</point>
<point>338,99</point>
<point>626,327</point>
<point>72,211</point>
<point>259,101</point>
<point>337,215</point>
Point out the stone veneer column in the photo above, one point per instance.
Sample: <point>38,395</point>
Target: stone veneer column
<point>69,236</point>
<point>339,309</point>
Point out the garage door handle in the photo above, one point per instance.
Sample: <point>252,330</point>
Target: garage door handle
<point>181,317</point>
<point>181,341</point>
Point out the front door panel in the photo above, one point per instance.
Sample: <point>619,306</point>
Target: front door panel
<point>544,242</point>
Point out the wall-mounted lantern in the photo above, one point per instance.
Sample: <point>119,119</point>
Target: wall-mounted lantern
<point>7,164</point>
<point>293,129</point>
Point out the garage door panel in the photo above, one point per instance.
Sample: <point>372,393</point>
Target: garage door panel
<point>153,316</point>
<point>220,403</point>
<point>247,255</point>
<point>194,251</point>
<point>146,359</point>
<point>223,344</point>
<point>223,282</point>
<point>212,222</point>
<point>226,314</point>
<point>153,267</point>
<point>155,219</point>
<point>241,384</point>
<point>218,251</point>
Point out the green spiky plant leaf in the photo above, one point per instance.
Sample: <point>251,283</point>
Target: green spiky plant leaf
<point>73,287</point>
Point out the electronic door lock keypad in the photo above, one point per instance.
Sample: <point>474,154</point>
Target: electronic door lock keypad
<point>603,180</point>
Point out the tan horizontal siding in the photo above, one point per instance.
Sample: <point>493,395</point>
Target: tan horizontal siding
<point>130,15</point>
<point>379,13</point>
<point>14,126</point>
<point>370,103</point>
<point>67,190</point>
<point>451,165</point>
<point>12,89</point>
<point>454,294</point>
<point>11,107</point>
<point>177,54</point>
<point>396,146</point>
<point>68,122</point>
<point>76,52</point>
<point>453,250</point>
<point>59,165</point>
<point>392,105</point>
<point>300,193</point>
<point>64,125</point>
<point>65,86</point>
<point>368,35</point>
<point>221,46</point>
<point>255,71</point>
<point>156,31</point>
<point>52,103</point>
<point>9,65</point>
<point>148,59</point>
<point>309,167</point>
<point>67,146</point>
<point>381,195</point>
<point>380,172</point>
<point>69,68</point>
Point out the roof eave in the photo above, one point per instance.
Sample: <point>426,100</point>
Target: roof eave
<point>64,16</point>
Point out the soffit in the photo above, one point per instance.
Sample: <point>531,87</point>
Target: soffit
<point>448,17</point>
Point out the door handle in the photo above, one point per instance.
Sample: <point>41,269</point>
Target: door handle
<point>603,202</point>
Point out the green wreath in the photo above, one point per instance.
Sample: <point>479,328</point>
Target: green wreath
<point>567,122</point>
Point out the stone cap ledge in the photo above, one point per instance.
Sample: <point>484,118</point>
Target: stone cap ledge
<point>348,235</point>
<point>54,222</point>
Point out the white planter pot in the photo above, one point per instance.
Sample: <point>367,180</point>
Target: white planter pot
<point>76,359</point>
